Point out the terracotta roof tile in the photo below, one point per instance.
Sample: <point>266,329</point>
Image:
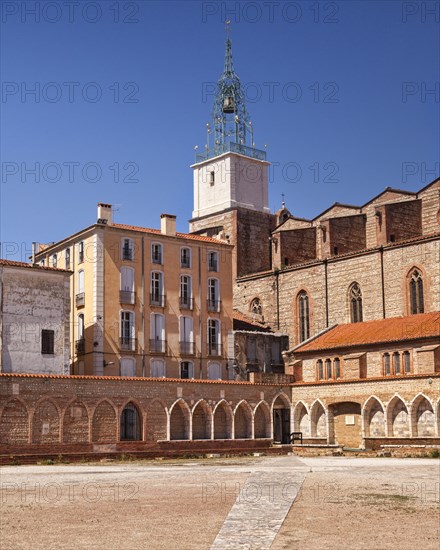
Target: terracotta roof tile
<point>243,322</point>
<point>11,263</point>
<point>190,236</point>
<point>394,329</point>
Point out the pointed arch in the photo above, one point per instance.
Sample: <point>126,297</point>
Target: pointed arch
<point>104,422</point>
<point>416,290</point>
<point>157,420</point>
<point>223,420</point>
<point>76,422</point>
<point>130,422</point>
<point>422,415</point>
<point>262,420</point>
<point>201,420</point>
<point>46,421</point>
<point>281,400</point>
<point>180,420</point>
<point>243,420</point>
<point>303,309</point>
<point>301,419</point>
<point>14,423</point>
<point>373,414</point>
<point>355,302</point>
<point>397,418</point>
<point>318,419</point>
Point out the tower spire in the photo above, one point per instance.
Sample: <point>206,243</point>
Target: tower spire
<point>231,127</point>
<point>230,118</point>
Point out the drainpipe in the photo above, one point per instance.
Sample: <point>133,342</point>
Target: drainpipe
<point>1,319</point>
<point>143,305</point>
<point>277,274</point>
<point>200,312</point>
<point>326,291</point>
<point>383,282</point>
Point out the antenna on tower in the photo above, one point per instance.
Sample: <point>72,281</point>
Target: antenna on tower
<point>228,29</point>
<point>283,204</point>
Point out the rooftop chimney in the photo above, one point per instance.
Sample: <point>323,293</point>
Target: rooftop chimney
<point>168,224</point>
<point>104,213</point>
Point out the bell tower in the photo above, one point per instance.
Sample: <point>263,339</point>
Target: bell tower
<point>231,177</point>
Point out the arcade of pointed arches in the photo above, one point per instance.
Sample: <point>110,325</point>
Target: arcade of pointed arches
<point>77,422</point>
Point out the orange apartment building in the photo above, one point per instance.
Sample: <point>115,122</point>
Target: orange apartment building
<point>146,302</point>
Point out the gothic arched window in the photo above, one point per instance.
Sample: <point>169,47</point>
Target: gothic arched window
<point>303,316</point>
<point>416,292</point>
<point>355,296</point>
<point>256,306</point>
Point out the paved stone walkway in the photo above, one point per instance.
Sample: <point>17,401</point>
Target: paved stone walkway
<point>262,505</point>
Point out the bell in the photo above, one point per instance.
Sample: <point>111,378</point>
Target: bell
<point>228,105</point>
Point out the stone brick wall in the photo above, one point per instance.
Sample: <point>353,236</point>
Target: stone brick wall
<point>54,414</point>
<point>294,247</point>
<point>82,413</point>
<point>363,268</point>
<point>347,234</point>
<point>32,300</point>
<point>403,220</point>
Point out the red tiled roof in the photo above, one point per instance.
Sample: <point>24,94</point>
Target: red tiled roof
<point>394,329</point>
<point>180,235</point>
<point>243,322</point>
<point>11,263</point>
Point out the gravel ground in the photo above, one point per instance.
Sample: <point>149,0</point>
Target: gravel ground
<point>343,503</point>
<point>365,504</point>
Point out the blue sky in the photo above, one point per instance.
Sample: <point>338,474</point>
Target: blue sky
<point>339,91</point>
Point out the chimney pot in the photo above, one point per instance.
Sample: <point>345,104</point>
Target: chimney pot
<point>168,224</point>
<point>104,213</point>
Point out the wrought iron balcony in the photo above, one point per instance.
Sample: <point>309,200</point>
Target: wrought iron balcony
<point>214,305</point>
<point>80,346</point>
<point>187,348</point>
<point>157,299</point>
<point>156,259</point>
<point>80,299</point>
<point>126,343</point>
<point>185,302</point>
<point>158,346</point>
<point>213,266</point>
<point>214,349</point>
<point>231,147</point>
<point>127,297</point>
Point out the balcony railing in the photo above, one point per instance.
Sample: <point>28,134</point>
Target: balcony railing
<point>80,346</point>
<point>158,346</point>
<point>214,349</point>
<point>80,299</point>
<point>186,302</point>
<point>214,305</point>
<point>126,343</point>
<point>157,259</point>
<point>231,147</point>
<point>187,348</point>
<point>127,297</point>
<point>157,299</point>
<point>213,265</point>
<point>185,263</point>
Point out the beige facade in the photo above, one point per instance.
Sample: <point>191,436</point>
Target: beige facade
<point>147,302</point>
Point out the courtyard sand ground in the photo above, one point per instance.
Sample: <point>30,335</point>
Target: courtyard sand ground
<point>338,503</point>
